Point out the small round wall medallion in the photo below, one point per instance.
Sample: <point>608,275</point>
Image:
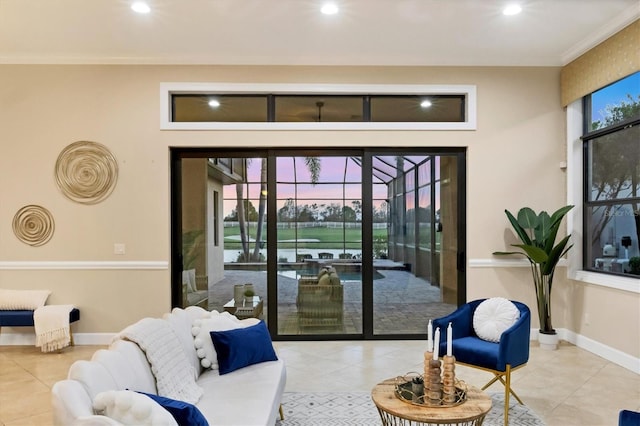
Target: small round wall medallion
<point>33,225</point>
<point>86,172</point>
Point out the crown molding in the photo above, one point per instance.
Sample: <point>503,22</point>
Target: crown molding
<point>621,21</point>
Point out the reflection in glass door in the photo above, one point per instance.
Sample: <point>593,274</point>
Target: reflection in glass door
<point>224,234</point>
<point>319,248</point>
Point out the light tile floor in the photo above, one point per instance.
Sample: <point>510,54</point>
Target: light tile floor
<point>566,387</point>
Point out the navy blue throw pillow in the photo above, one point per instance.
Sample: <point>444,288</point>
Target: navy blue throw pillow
<point>242,347</point>
<point>184,413</point>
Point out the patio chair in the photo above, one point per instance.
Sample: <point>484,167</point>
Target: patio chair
<point>319,305</point>
<point>302,257</point>
<point>501,358</point>
<point>325,255</point>
<point>345,256</point>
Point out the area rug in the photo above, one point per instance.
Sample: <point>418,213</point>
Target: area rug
<point>357,409</point>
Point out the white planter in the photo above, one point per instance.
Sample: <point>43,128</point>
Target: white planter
<point>548,341</point>
<point>238,293</point>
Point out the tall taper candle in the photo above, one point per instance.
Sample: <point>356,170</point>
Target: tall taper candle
<point>449,340</point>
<point>430,337</point>
<point>436,344</point>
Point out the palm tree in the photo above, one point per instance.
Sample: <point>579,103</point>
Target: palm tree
<point>313,166</point>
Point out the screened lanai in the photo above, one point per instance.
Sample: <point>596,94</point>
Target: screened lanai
<point>342,242</point>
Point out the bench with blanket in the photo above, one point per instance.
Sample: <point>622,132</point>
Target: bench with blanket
<point>24,318</point>
<point>26,308</point>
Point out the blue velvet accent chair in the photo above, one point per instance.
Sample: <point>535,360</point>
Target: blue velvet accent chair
<point>511,353</point>
<point>628,418</point>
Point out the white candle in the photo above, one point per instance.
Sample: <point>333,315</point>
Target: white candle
<point>430,337</point>
<point>449,340</point>
<point>436,344</point>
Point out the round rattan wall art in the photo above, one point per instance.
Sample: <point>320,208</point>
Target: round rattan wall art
<point>33,225</point>
<point>86,172</point>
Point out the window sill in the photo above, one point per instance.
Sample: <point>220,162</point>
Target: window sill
<point>632,285</point>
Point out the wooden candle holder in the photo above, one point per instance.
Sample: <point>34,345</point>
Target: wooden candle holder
<point>428,356</point>
<point>433,383</point>
<point>449,380</point>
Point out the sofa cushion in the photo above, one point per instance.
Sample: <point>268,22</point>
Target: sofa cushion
<point>13,300</point>
<point>493,316</point>
<point>243,347</point>
<point>144,380</point>
<point>258,386</point>
<point>132,408</point>
<point>216,322</point>
<point>93,376</point>
<point>183,412</point>
<point>118,366</point>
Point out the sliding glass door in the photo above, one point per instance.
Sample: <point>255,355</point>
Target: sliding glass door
<point>351,243</point>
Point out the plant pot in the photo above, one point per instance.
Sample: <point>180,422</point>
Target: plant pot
<point>238,293</point>
<point>548,341</point>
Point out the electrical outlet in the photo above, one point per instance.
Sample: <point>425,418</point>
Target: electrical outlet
<point>119,248</point>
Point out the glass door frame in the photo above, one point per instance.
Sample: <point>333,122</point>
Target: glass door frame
<point>177,154</point>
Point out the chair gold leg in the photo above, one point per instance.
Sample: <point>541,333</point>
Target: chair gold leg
<point>507,393</point>
<point>492,381</point>
<point>281,413</point>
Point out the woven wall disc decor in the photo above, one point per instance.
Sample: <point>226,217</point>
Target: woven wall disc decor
<point>86,172</point>
<point>33,225</point>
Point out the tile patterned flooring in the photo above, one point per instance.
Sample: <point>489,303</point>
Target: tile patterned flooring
<point>566,387</point>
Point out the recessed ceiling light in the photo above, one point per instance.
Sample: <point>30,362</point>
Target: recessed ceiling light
<point>329,9</point>
<point>140,7</point>
<point>214,103</point>
<point>512,9</point>
<point>425,104</point>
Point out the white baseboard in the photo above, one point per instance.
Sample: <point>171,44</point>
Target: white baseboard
<point>29,339</point>
<point>607,352</point>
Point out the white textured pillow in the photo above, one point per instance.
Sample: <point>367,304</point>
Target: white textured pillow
<point>22,299</point>
<point>132,408</point>
<point>216,322</point>
<point>493,316</point>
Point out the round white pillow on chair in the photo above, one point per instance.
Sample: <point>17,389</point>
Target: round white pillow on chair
<point>493,316</point>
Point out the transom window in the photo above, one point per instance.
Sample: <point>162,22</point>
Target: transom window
<point>228,106</point>
<point>316,108</point>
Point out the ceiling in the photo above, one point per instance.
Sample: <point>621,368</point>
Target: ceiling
<point>294,32</point>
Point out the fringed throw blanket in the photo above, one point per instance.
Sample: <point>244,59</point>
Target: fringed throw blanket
<point>51,324</point>
<point>169,364</point>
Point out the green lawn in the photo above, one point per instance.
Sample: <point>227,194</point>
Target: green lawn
<point>327,238</point>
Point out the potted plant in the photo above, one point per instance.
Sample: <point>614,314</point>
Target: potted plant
<point>634,265</point>
<point>248,296</point>
<point>538,232</point>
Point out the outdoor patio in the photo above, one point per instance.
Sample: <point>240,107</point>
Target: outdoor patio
<point>403,303</point>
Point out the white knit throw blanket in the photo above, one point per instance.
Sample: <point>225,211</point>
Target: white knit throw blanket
<point>169,364</point>
<point>51,323</point>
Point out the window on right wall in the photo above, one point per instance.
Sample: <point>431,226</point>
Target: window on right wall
<point>611,147</point>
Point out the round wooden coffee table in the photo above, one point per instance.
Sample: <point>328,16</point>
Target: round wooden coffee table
<point>395,411</point>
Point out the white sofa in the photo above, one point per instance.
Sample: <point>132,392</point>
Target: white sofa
<point>248,396</point>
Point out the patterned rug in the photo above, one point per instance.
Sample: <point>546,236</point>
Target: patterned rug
<point>357,409</point>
